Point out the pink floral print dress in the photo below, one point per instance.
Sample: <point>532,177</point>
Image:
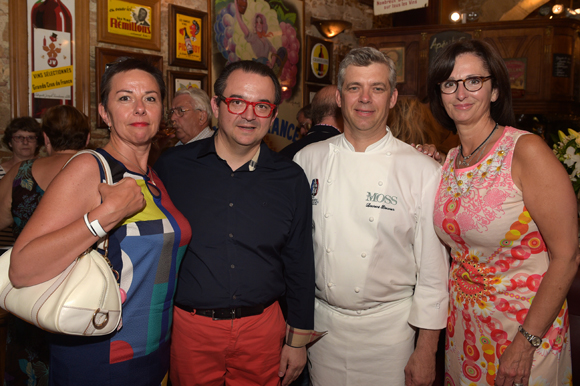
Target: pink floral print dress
<point>498,261</point>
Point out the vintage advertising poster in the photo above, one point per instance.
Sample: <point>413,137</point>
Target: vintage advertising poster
<point>129,19</point>
<point>397,55</point>
<point>189,37</point>
<point>50,54</point>
<point>382,7</point>
<point>517,71</point>
<point>269,32</point>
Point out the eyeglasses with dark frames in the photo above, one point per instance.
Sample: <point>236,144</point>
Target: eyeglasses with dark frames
<point>22,138</point>
<point>473,83</point>
<point>239,106</point>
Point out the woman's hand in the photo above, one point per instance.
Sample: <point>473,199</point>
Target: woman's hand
<point>430,150</point>
<point>515,364</point>
<point>121,200</point>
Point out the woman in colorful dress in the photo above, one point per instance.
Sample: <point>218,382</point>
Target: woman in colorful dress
<point>23,137</point>
<point>65,130</point>
<point>147,238</point>
<point>506,209</point>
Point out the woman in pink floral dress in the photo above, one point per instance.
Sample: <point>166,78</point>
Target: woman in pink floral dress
<point>506,209</point>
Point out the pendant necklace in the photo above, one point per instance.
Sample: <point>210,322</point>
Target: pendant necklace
<point>131,163</point>
<point>465,160</point>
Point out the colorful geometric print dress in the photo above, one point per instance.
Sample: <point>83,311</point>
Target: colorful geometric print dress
<point>146,249</point>
<point>498,262</point>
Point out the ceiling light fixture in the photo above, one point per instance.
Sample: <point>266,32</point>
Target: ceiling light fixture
<point>330,28</point>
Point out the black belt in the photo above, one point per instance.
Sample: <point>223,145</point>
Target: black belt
<point>227,313</point>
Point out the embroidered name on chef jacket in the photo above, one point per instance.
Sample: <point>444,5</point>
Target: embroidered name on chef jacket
<point>380,201</point>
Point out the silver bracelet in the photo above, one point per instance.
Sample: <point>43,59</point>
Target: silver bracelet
<point>96,225</point>
<point>86,217</point>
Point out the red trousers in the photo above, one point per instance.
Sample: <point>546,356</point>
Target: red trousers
<point>245,351</point>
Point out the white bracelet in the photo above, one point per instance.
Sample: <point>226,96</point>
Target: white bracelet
<point>86,217</point>
<point>98,228</point>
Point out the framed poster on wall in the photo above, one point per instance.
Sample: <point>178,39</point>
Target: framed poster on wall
<point>177,80</point>
<point>278,25</point>
<point>134,24</point>
<point>397,55</point>
<point>319,60</point>
<point>188,37</point>
<point>49,59</point>
<point>104,56</point>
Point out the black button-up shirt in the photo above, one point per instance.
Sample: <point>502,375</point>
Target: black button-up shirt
<point>251,230</point>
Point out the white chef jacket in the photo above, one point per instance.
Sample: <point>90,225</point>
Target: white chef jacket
<point>374,241</point>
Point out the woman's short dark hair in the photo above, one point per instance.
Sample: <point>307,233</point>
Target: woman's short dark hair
<point>125,64</point>
<point>66,128</point>
<point>25,124</point>
<point>250,67</point>
<point>442,66</point>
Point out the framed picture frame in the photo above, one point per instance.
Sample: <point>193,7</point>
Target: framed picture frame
<point>283,41</point>
<point>20,71</point>
<point>319,64</point>
<point>188,37</point>
<point>104,56</point>
<point>134,24</point>
<point>397,54</point>
<point>310,90</point>
<point>176,80</point>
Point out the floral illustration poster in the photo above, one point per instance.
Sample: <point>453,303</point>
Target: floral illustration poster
<point>269,32</point>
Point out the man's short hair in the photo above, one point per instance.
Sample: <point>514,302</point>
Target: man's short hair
<point>364,57</point>
<point>200,99</point>
<point>250,67</point>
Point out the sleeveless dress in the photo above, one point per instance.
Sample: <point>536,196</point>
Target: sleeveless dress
<point>146,249</point>
<point>27,354</point>
<point>498,261</point>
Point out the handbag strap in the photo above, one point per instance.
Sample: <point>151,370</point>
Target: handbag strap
<point>101,159</point>
<point>109,180</point>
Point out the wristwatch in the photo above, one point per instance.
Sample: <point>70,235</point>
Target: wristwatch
<point>535,341</point>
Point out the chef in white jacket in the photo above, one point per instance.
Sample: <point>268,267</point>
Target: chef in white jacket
<point>381,272</point>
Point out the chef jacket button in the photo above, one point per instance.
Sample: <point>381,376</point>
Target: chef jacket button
<point>336,150</point>
<point>327,250</point>
<point>326,215</point>
<point>329,285</point>
<point>380,183</point>
<point>358,312</point>
<point>363,255</point>
<point>371,219</point>
<point>388,153</point>
<point>357,290</point>
<point>329,181</point>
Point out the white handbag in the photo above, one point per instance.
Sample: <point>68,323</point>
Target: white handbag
<point>83,300</point>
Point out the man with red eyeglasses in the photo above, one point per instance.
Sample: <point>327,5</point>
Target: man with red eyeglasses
<point>251,218</point>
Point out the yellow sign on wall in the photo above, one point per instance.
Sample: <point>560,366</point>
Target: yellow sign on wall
<point>50,79</point>
<point>128,19</point>
<point>188,37</point>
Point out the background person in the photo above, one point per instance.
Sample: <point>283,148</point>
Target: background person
<point>304,119</point>
<point>65,131</point>
<point>327,120</point>
<point>147,237</point>
<point>191,115</point>
<point>506,208</point>
<point>23,136</point>
<point>412,122</point>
